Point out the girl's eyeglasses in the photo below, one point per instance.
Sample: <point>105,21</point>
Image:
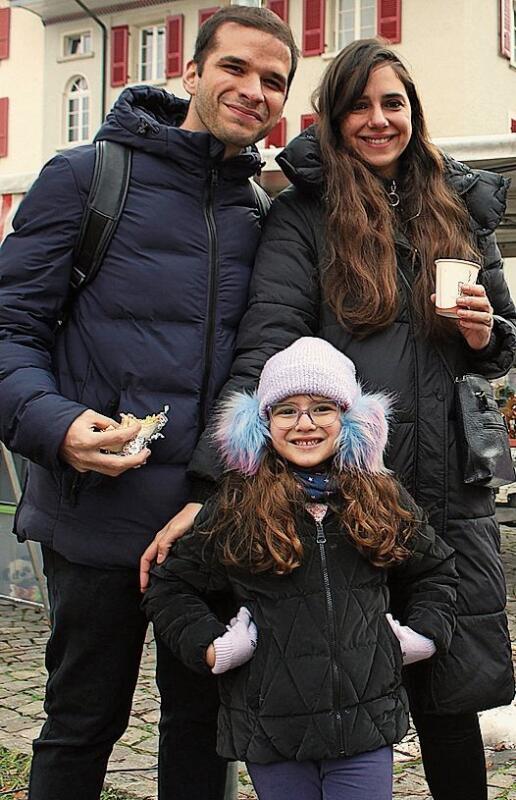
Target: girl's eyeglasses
<point>287,415</point>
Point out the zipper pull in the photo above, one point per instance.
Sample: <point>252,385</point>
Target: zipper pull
<point>392,194</point>
<point>321,538</point>
<point>214,177</point>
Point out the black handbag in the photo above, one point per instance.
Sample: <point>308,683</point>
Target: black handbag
<point>483,434</point>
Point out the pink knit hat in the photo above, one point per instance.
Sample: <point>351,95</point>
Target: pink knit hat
<point>309,366</point>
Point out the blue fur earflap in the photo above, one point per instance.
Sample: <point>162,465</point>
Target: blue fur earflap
<point>240,433</point>
<point>363,436</point>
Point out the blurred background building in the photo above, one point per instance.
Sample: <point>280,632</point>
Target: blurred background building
<point>63,63</point>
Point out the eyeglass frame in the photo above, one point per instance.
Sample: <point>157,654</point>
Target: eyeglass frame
<point>307,411</point>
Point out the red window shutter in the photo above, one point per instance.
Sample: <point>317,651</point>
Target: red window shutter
<point>278,136</point>
<point>513,125</point>
<point>174,45</point>
<point>4,125</point>
<point>119,55</point>
<point>206,13</point>
<point>307,120</point>
<point>313,27</point>
<point>5,28</point>
<point>5,210</point>
<point>389,20</point>
<point>505,27</point>
<point>280,7</point>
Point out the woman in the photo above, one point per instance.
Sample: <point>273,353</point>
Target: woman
<point>348,255</point>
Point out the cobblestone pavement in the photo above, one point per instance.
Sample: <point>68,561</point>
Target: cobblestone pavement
<point>132,768</point>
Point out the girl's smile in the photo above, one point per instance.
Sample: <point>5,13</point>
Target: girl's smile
<point>306,444</point>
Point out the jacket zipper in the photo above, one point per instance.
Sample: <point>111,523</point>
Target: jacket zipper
<point>321,541</point>
<point>212,295</point>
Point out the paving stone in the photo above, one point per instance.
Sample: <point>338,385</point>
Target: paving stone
<point>14,725</point>
<point>31,731</point>
<point>501,780</point>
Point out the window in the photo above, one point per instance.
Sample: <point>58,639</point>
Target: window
<point>356,19</point>
<point>152,53</point>
<point>78,111</point>
<point>253,3</point>
<point>77,44</point>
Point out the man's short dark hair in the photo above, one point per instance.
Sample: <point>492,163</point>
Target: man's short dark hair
<point>260,18</point>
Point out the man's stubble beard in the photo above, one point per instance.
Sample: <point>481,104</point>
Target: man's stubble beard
<point>208,114</point>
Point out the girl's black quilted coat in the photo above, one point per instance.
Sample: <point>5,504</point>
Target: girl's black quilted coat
<point>325,680</point>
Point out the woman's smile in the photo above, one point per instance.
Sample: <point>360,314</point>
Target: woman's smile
<point>378,126</point>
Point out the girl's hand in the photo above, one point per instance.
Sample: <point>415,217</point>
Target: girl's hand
<point>475,314</point>
<point>414,646</point>
<point>237,645</point>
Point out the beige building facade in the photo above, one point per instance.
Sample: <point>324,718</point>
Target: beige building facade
<point>21,105</point>
<point>71,67</point>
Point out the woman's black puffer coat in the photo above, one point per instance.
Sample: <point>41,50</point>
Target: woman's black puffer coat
<point>285,303</point>
<point>325,680</point>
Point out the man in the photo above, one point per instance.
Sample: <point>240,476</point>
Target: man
<point>156,327</point>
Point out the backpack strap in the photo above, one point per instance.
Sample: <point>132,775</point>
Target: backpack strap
<point>106,199</point>
<point>263,201</point>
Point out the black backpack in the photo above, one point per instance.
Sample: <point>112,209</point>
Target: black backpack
<point>104,207</point>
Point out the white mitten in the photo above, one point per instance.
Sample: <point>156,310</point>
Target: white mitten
<point>237,645</point>
<point>414,646</point>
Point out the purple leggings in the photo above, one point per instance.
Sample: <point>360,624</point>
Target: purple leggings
<point>361,777</point>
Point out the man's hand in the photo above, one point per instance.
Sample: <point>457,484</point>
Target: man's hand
<point>92,433</point>
<point>159,547</point>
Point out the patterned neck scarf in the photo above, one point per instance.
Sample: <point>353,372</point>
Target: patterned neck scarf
<point>315,483</point>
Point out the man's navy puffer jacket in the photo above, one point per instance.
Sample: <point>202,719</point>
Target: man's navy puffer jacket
<point>157,326</point>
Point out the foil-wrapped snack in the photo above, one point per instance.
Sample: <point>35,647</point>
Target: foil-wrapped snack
<point>151,427</point>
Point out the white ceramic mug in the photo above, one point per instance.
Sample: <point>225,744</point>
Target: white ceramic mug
<point>450,275</point>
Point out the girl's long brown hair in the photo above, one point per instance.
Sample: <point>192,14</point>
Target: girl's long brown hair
<point>359,275</point>
<point>256,519</point>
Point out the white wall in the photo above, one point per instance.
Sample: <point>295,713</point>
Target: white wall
<point>21,80</point>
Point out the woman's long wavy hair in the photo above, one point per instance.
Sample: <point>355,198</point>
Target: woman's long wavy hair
<point>256,519</point>
<point>359,273</point>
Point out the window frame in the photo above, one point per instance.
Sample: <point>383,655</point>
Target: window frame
<point>83,112</point>
<point>75,34</point>
<point>357,33</point>
<point>155,27</point>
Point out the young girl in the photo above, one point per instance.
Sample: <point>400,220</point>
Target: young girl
<point>316,543</point>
